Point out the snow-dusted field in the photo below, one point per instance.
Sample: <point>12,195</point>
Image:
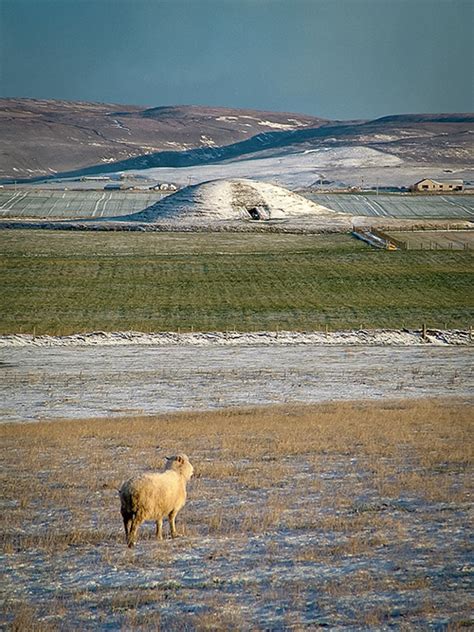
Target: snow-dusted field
<point>51,204</point>
<point>119,374</point>
<point>36,202</point>
<point>349,516</point>
<point>402,206</point>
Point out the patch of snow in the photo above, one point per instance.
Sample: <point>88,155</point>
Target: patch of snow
<point>180,146</point>
<point>276,125</point>
<point>358,157</point>
<point>377,337</point>
<point>385,137</point>
<point>120,125</point>
<point>205,140</point>
<point>296,122</point>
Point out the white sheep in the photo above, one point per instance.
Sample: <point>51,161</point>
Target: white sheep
<point>154,496</point>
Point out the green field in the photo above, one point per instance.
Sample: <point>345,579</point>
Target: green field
<point>63,282</point>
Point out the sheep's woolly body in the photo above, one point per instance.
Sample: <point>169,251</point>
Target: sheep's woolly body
<point>154,496</point>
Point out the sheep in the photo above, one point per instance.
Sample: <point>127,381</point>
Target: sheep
<point>155,495</point>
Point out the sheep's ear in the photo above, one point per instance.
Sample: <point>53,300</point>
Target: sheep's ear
<point>180,459</point>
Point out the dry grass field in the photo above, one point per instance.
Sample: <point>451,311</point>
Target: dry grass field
<point>348,515</point>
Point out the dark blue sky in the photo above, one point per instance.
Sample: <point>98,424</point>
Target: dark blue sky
<point>333,58</point>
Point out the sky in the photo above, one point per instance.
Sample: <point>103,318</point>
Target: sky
<point>339,59</point>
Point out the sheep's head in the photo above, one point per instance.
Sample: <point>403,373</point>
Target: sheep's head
<point>180,463</point>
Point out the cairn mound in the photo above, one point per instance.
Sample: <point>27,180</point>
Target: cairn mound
<point>229,200</point>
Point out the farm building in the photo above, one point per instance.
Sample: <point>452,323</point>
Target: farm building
<point>438,185</point>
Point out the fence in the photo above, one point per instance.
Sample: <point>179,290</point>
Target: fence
<point>393,239</point>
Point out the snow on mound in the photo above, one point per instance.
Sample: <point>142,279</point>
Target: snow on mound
<point>229,200</point>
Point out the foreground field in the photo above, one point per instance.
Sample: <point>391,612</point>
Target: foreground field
<point>60,282</point>
<point>339,515</point>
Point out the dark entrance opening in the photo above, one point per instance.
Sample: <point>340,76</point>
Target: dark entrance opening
<point>254,213</point>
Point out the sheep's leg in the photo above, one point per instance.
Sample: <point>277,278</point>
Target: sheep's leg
<point>159,529</point>
<point>132,534</point>
<point>127,523</point>
<point>171,518</point>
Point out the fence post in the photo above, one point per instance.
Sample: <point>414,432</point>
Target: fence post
<point>423,331</point>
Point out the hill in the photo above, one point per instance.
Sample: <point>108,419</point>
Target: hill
<point>43,137</point>
<point>47,138</point>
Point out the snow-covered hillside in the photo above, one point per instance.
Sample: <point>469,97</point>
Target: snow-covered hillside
<point>295,169</point>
